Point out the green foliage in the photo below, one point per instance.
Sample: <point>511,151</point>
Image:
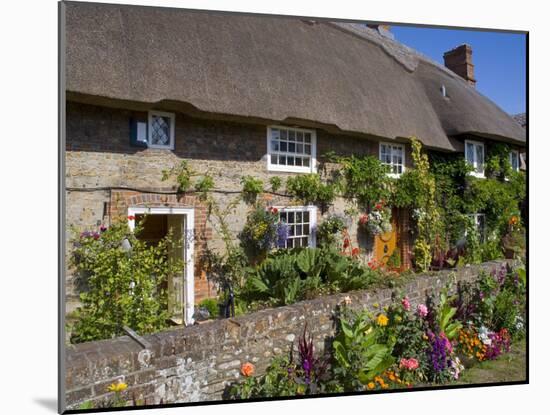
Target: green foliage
<point>363,181</point>
<point>359,353</point>
<point>445,314</point>
<point>204,185</point>
<point>183,175</point>
<point>309,189</point>
<point>288,276</point>
<point>211,304</point>
<point>252,187</point>
<point>125,287</point>
<point>276,183</point>
<point>394,261</point>
<point>497,163</point>
<point>330,230</point>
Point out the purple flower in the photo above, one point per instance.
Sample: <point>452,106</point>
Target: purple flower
<point>282,234</point>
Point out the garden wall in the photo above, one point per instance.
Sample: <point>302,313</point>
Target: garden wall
<point>196,363</point>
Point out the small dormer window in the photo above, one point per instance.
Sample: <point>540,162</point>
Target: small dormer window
<point>475,156</point>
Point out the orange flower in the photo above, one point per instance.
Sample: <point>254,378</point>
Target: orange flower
<point>355,251</point>
<point>247,369</point>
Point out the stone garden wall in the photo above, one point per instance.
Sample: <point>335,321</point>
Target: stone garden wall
<point>197,363</point>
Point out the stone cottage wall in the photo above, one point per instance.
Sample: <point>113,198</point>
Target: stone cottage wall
<point>101,166</point>
<point>197,363</point>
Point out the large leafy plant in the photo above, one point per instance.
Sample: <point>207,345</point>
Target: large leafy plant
<point>358,353</point>
<point>126,280</point>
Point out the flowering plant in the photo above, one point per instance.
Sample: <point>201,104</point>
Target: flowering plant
<point>263,231</point>
<point>378,220</point>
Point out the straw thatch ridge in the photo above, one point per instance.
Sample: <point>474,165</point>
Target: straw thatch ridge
<point>274,68</point>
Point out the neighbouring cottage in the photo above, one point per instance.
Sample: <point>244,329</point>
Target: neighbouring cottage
<point>240,95</point>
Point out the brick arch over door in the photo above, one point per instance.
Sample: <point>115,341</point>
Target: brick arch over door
<point>121,200</point>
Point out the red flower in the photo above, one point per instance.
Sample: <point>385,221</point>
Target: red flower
<point>274,210</point>
<point>363,219</point>
<point>131,217</point>
<point>346,243</point>
<point>378,206</point>
<point>355,251</point>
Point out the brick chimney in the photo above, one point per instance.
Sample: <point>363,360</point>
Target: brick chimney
<point>459,60</point>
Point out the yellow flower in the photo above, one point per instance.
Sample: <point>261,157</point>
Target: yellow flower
<point>371,385</point>
<point>382,320</point>
<point>117,387</point>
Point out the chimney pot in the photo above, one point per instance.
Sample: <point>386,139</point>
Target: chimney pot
<point>459,60</point>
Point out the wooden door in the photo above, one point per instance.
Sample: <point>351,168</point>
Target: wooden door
<point>386,243</point>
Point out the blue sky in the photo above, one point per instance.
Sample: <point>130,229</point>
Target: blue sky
<point>499,59</point>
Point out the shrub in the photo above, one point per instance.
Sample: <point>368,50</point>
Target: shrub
<point>252,187</point>
<point>309,189</point>
<point>211,304</point>
<point>125,285</point>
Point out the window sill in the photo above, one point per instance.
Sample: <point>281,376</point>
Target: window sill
<point>290,169</point>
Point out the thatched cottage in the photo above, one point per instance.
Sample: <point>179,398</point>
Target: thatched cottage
<point>247,95</point>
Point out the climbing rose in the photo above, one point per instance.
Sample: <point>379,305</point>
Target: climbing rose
<point>406,303</point>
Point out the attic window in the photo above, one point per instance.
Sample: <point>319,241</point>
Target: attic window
<point>291,149</point>
<point>393,156</point>
<point>161,130</point>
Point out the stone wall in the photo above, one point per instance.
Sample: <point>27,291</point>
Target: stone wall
<point>196,363</point>
<point>99,161</point>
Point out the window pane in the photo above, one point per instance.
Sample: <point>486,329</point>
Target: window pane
<point>291,147</point>
<point>298,217</point>
<point>305,162</point>
<point>299,136</point>
<point>160,130</point>
<point>284,146</point>
<point>298,230</point>
<point>290,216</point>
<point>300,148</point>
<point>274,145</point>
<point>282,160</point>
<point>290,161</point>
<point>307,149</point>
<point>291,135</point>
<point>470,153</point>
<point>306,216</point>
<point>306,229</point>
<point>283,134</point>
<point>298,161</point>
<point>305,241</point>
<point>274,159</point>
<point>275,133</point>
<point>307,137</point>
<point>479,156</point>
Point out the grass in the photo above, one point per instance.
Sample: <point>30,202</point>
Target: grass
<point>507,368</point>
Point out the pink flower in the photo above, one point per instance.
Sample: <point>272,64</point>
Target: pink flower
<point>406,303</point>
<point>422,310</point>
<point>409,364</point>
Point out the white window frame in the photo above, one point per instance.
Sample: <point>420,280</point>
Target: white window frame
<point>293,169</point>
<point>188,249</point>
<point>519,161</point>
<point>403,167</point>
<point>312,241</point>
<point>475,162</point>
<point>172,118</point>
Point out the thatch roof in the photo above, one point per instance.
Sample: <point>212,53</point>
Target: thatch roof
<point>273,68</point>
